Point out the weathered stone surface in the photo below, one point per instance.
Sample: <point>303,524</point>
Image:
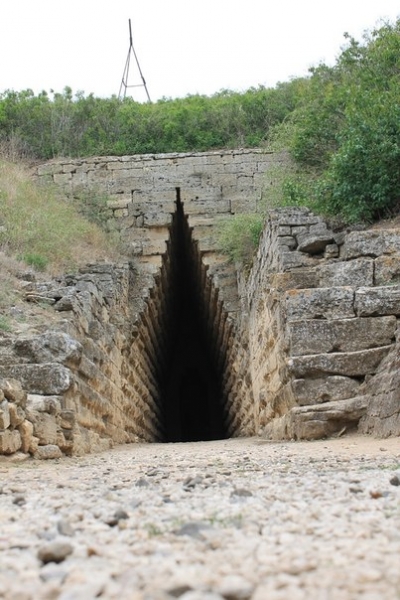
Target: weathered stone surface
<point>26,432</point>
<point>327,303</point>
<point>47,404</point>
<point>45,429</point>
<point>13,391</point>
<point>4,415</point>
<point>331,251</point>
<point>324,389</point>
<point>48,451</point>
<point>10,441</point>
<point>52,346</point>
<point>297,279</point>
<point>67,419</point>
<point>314,243</point>
<point>50,379</point>
<point>382,417</point>
<point>322,420</point>
<point>17,414</point>
<point>350,364</point>
<point>320,336</point>
<point>354,273</point>
<point>370,243</point>
<point>387,269</point>
<point>377,301</point>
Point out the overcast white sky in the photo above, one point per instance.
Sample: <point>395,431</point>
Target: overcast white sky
<point>183,46</point>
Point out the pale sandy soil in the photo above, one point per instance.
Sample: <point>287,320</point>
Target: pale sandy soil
<point>231,519</point>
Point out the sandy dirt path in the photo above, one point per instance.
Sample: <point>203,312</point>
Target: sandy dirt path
<point>233,519</point>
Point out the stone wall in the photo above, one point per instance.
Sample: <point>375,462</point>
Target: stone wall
<point>302,347</point>
<point>321,324</point>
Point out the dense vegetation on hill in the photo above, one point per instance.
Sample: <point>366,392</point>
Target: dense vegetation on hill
<point>340,124</point>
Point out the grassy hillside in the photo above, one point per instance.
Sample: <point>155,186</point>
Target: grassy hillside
<point>42,229</point>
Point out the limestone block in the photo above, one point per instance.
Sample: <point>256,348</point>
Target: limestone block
<point>26,432</point>
<point>67,419</point>
<point>4,415</point>
<point>370,243</point>
<point>350,364</point>
<point>295,217</point>
<point>46,379</point>
<point>48,451</point>
<point>17,414</point>
<point>322,420</point>
<point>13,391</point>
<point>331,251</point>
<point>10,441</point>
<point>383,300</point>
<point>206,207</point>
<point>297,279</point>
<point>119,204</point>
<point>319,336</point>
<point>288,241</point>
<point>45,428</point>
<point>324,389</point>
<point>157,219</point>
<point>387,269</point>
<point>47,404</point>
<point>62,178</point>
<point>355,273</point>
<point>294,260</point>
<point>51,346</point>
<point>34,445</point>
<point>314,243</point>
<point>154,247</point>
<point>326,303</point>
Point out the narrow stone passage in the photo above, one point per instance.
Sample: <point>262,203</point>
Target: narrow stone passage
<point>191,392</point>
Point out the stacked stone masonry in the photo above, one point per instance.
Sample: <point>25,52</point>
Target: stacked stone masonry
<point>304,346</point>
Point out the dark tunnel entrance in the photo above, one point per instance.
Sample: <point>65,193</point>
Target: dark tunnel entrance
<point>191,394</point>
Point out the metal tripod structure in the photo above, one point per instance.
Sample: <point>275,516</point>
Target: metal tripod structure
<point>124,83</point>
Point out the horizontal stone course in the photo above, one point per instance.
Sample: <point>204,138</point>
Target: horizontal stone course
<point>318,336</point>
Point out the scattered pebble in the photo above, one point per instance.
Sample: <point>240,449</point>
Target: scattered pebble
<point>229,520</point>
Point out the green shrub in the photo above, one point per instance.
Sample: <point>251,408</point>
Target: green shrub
<point>239,237</point>
<point>37,261</point>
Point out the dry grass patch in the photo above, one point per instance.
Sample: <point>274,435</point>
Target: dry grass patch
<point>43,229</point>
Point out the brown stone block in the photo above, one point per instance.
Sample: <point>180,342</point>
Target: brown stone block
<point>10,441</point>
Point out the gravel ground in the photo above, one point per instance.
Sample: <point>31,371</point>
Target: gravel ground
<point>232,519</point>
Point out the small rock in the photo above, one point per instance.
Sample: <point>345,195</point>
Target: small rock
<point>54,552</point>
<point>395,480</point>
<point>235,587</point>
<point>119,515</point>
<point>193,529</point>
<point>142,482</point>
<point>375,494</point>
<point>49,451</point>
<point>241,492</point>
<point>64,528</point>
<point>191,482</point>
<point>19,500</point>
